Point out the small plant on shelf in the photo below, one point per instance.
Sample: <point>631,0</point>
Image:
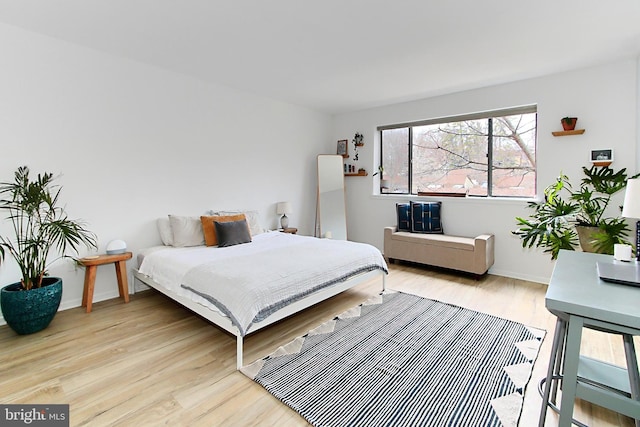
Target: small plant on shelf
<point>357,140</point>
<point>569,123</point>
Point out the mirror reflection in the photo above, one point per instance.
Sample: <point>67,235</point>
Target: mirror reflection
<point>332,217</point>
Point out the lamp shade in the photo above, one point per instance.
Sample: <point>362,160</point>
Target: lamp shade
<point>283,208</point>
<point>631,206</point>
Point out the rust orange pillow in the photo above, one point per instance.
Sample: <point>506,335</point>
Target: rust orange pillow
<point>209,228</point>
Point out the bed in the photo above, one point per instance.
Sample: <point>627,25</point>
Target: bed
<point>246,287</point>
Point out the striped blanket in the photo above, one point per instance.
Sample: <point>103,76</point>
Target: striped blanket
<point>249,282</point>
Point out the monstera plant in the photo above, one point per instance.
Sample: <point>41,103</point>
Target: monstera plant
<point>567,218</point>
<point>43,233</point>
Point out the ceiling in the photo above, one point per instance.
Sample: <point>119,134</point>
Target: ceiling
<point>337,56</point>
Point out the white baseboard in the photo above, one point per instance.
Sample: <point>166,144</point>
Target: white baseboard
<point>77,302</point>
<point>529,278</point>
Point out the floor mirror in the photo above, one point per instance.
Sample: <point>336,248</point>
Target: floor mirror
<point>331,208</point>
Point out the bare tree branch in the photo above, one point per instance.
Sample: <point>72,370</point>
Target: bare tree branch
<point>515,136</point>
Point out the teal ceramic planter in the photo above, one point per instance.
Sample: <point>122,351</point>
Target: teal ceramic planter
<point>31,311</point>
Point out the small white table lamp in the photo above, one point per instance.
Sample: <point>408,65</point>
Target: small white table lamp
<point>116,247</point>
<point>631,207</point>
<point>284,208</point>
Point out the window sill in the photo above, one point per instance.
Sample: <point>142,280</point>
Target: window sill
<point>455,199</point>
<point>430,194</point>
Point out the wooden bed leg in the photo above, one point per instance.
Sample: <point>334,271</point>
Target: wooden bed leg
<point>239,352</point>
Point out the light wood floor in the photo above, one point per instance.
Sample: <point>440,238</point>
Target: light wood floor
<point>151,362</point>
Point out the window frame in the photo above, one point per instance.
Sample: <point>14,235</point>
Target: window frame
<point>488,115</point>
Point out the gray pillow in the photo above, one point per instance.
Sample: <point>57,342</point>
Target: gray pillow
<point>232,233</point>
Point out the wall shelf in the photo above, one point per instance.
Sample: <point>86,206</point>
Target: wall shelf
<point>601,164</point>
<point>356,174</point>
<point>568,132</point>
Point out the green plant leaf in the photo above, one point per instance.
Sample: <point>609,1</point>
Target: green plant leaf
<point>552,224</point>
<point>39,225</point>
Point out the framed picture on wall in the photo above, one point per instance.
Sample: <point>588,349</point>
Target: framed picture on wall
<point>602,157</point>
<point>342,148</point>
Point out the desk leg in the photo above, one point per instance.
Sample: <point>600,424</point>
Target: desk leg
<point>123,286</point>
<point>632,368</point>
<point>554,365</point>
<point>570,377</point>
<point>557,373</point>
<point>89,284</point>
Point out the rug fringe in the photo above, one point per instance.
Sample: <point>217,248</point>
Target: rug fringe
<point>508,409</point>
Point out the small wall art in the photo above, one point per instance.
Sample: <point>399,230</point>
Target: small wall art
<point>342,148</point>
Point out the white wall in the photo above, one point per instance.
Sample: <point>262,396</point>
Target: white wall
<point>604,100</point>
<point>134,143</point>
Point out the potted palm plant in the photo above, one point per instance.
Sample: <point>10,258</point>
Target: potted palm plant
<point>568,218</point>
<point>40,227</point>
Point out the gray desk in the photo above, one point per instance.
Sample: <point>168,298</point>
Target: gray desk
<point>580,299</point>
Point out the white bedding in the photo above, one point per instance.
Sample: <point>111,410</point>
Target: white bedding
<point>248,282</point>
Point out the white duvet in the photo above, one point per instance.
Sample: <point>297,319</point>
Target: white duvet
<point>249,282</point>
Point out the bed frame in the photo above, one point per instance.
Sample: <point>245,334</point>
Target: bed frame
<point>225,323</point>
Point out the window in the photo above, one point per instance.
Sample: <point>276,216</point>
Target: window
<point>485,154</point>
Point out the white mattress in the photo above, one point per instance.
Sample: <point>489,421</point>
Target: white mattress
<point>166,276</point>
<point>250,281</point>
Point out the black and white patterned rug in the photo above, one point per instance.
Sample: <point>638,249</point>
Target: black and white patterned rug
<point>403,360</point>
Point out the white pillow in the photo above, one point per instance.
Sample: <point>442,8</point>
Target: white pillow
<point>186,230</point>
<point>253,219</point>
<point>164,227</point>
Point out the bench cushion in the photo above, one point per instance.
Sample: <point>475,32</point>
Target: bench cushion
<point>454,242</point>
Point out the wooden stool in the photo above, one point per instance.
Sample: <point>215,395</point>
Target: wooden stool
<point>92,263</point>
